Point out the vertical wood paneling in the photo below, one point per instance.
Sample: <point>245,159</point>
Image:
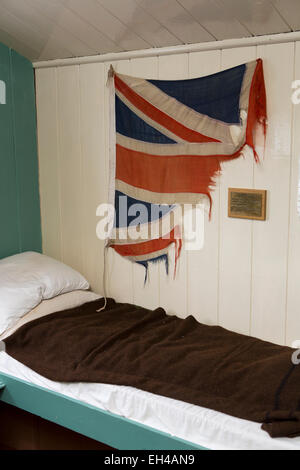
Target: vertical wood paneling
<point>203,265</point>
<point>72,209</point>
<point>293,291</point>
<point>19,202</point>
<point>49,167</point>
<point>239,278</point>
<point>24,111</point>
<point>270,238</point>
<point>94,168</point>
<point>235,235</point>
<point>10,240</point>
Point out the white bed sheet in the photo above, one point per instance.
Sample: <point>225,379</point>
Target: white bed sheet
<point>202,426</point>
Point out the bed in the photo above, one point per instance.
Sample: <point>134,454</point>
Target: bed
<point>122,417</point>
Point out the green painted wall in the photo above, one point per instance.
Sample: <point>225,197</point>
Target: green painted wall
<point>20,225</point>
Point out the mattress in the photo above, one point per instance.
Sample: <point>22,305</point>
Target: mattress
<point>202,426</point>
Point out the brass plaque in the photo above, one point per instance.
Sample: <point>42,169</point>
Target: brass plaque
<point>247,203</point>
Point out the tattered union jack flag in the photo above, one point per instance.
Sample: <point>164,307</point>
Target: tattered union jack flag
<point>171,137</point>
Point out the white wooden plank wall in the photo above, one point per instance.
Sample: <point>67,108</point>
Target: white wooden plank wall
<point>246,278</point>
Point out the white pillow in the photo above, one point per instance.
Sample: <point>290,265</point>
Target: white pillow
<point>16,299</point>
<point>28,278</point>
<point>57,304</point>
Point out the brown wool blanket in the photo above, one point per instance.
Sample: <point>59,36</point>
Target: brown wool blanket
<point>181,359</point>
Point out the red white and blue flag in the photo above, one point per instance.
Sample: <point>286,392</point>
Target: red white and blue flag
<point>171,138</point>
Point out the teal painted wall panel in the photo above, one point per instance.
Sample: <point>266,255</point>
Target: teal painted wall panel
<point>9,232</point>
<point>20,225</point>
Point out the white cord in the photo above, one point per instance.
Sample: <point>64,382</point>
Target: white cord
<point>104,279</point>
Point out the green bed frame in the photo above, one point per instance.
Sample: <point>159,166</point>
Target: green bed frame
<point>108,428</point>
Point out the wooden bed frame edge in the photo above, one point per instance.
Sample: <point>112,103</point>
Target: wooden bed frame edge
<point>110,429</point>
